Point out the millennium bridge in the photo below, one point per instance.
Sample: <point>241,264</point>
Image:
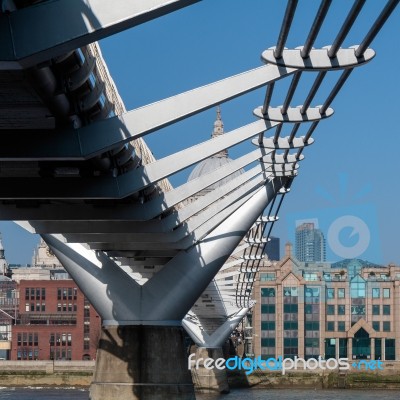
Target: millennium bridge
<point>151,257</point>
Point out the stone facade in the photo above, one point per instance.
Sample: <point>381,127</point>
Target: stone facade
<point>310,310</point>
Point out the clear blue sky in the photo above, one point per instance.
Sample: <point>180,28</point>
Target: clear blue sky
<point>351,170</point>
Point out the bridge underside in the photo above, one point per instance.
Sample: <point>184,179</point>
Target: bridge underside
<point>75,169</point>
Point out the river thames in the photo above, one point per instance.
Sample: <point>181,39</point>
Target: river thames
<point>236,394</point>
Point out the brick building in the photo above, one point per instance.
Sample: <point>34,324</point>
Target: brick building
<point>55,321</point>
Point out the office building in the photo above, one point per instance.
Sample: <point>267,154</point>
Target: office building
<point>312,309</point>
<point>310,243</point>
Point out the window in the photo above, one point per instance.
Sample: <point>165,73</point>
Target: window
<point>357,287</point>
<point>291,308</point>
<point>330,293</point>
<point>386,326</point>
<point>59,294</point>
<point>267,276</point>
<point>330,309</point>
<point>376,293</point>
<point>341,293</point>
<point>376,309</point>
<point>390,349</point>
<point>312,325</point>
<point>69,293</point>
<point>310,276</point>
<point>386,293</point>
<point>43,294</point>
<point>341,326</point>
<point>341,310</point>
<point>290,325</point>
<point>268,325</point>
<point>268,308</point>
<point>27,294</point>
<point>268,292</point>
<point>290,291</point>
<point>376,325</point>
<point>386,309</point>
<point>59,309</point>
<point>330,326</point>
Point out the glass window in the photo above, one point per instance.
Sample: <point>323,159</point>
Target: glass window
<point>267,276</point>
<point>267,292</point>
<point>386,326</point>
<point>290,291</point>
<point>341,326</point>
<point>268,308</point>
<point>341,310</point>
<point>268,325</point>
<point>357,287</point>
<point>376,309</point>
<point>376,326</point>
<point>376,293</point>
<point>330,309</point>
<point>59,294</point>
<point>386,309</point>
<point>330,326</point>
<point>290,308</point>
<point>311,291</point>
<point>330,293</point>
<point>386,293</point>
<point>310,276</point>
<point>341,293</point>
<point>312,325</point>
<point>390,349</point>
<point>27,294</point>
<point>43,293</point>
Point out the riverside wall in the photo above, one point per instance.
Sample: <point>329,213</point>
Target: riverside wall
<point>46,373</point>
<point>80,374</point>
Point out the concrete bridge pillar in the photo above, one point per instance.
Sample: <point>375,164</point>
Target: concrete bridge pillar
<point>141,362</point>
<point>208,380</point>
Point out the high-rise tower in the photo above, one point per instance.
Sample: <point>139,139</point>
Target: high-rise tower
<point>310,243</point>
